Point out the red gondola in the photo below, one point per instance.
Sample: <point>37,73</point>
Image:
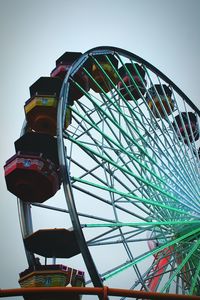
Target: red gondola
<point>33,173</point>
<point>63,64</point>
<point>31,177</point>
<point>133,84</point>
<point>185,125</point>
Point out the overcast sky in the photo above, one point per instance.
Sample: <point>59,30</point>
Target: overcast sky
<point>34,33</point>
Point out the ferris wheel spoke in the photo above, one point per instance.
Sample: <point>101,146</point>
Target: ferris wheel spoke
<point>105,242</point>
<point>104,274</point>
<point>94,241</point>
<point>80,214</point>
<point>144,224</point>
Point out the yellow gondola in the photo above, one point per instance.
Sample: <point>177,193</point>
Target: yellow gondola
<point>41,108</point>
<point>56,275</point>
<point>99,75</point>
<point>159,100</point>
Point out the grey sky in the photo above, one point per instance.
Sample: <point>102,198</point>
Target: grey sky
<point>35,33</point>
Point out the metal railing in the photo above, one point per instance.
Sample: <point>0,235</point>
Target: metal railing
<point>102,293</point>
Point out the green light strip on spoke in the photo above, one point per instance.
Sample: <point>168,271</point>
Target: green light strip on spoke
<point>150,253</point>
<point>178,269</point>
<point>128,195</point>
<point>139,224</point>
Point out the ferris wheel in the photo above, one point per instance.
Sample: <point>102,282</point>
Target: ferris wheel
<point>122,140</point>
